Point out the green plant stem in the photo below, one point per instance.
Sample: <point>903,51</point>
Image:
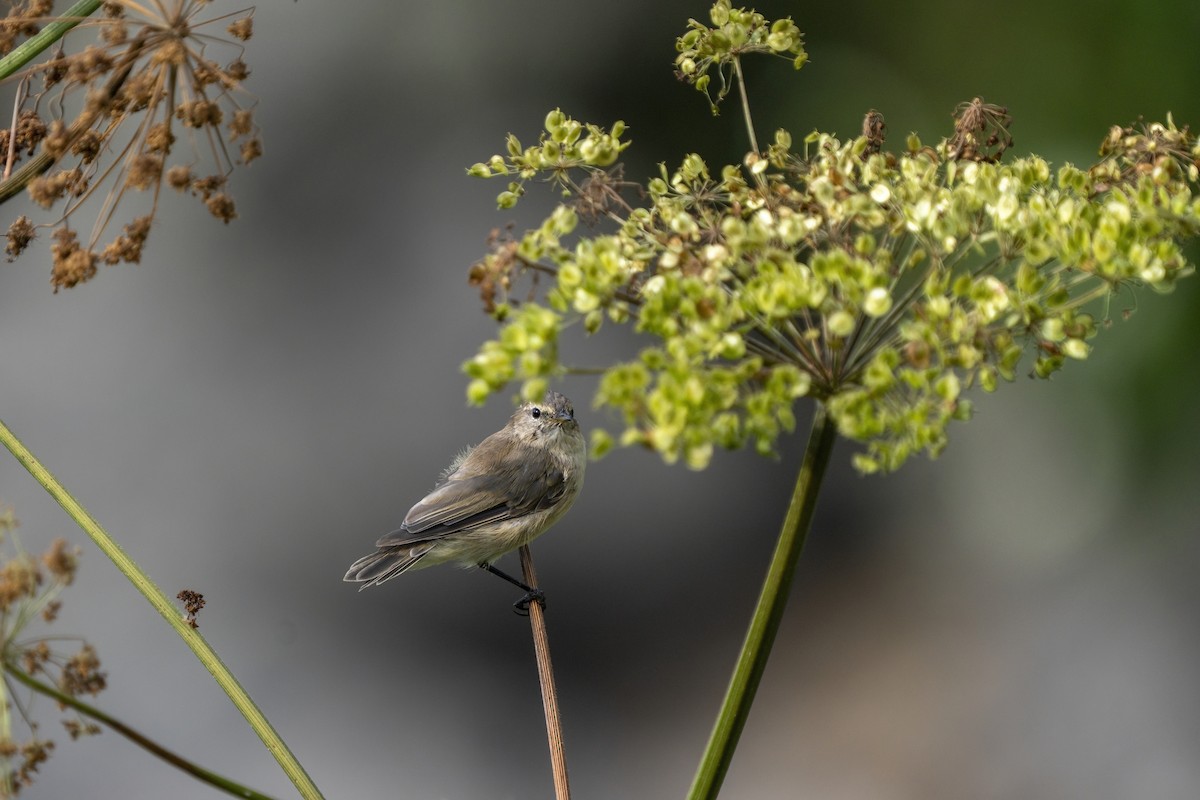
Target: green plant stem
<point>33,47</point>
<point>768,614</point>
<point>170,613</point>
<point>737,70</point>
<point>174,759</point>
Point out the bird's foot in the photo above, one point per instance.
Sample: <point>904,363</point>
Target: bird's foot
<point>532,596</point>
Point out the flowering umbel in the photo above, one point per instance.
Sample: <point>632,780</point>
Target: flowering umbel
<point>157,99</point>
<point>882,284</point>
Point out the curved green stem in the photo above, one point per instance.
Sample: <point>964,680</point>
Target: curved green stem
<point>170,613</point>
<point>33,47</point>
<point>768,614</point>
<point>174,759</point>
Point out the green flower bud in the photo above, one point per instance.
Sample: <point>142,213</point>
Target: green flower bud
<point>840,324</point>
<point>1076,348</point>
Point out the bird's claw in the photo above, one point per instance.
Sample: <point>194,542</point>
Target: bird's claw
<point>532,596</point>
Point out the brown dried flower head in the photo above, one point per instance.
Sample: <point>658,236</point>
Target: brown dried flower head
<point>155,97</point>
<point>980,132</point>
<point>29,589</point>
<point>81,673</point>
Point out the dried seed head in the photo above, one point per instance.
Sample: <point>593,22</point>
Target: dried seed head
<point>135,64</point>
<point>198,113</point>
<point>237,70</point>
<point>221,206</point>
<point>251,149</point>
<point>19,578</point>
<point>242,28</point>
<point>207,185</point>
<point>81,674</point>
<point>179,177</point>
<point>57,139</point>
<point>61,561</point>
<point>242,123</point>
<point>143,171</point>
<point>20,234</point>
<point>87,146</point>
<point>128,246</point>
<point>980,132</point>
<point>874,130</point>
<point>159,138</point>
<point>193,601</point>
<point>72,264</point>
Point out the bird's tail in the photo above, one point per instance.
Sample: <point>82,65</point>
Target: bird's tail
<point>383,565</point>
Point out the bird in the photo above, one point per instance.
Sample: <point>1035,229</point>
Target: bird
<point>493,498</point>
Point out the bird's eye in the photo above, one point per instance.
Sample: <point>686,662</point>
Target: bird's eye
<point>536,412</point>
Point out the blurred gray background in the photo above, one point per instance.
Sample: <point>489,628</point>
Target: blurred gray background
<point>248,409</point>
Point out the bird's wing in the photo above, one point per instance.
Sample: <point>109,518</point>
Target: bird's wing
<point>462,505</point>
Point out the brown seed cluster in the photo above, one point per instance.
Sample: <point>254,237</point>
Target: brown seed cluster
<point>156,98</point>
<point>192,603</point>
<point>20,234</point>
<point>21,577</point>
<point>494,273</point>
<point>81,673</point>
<point>874,130</point>
<point>980,132</point>
<point>61,561</point>
<point>24,19</point>
<point>27,584</point>
<point>31,754</point>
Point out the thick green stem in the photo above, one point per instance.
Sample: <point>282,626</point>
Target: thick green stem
<point>174,759</point>
<point>768,614</point>
<point>33,47</point>
<point>170,613</point>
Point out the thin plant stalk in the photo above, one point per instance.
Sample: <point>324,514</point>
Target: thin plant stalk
<point>541,647</point>
<point>769,612</point>
<point>737,69</point>
<point>170,613</point>
<point>174,759</point>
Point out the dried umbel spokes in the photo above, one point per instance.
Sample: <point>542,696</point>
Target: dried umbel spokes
<point>980,132</point>
<point>157,97</point>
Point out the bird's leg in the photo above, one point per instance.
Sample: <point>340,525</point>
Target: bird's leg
<point>532,595</point>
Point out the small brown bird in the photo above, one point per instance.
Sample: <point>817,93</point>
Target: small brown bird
<point>492,499</point>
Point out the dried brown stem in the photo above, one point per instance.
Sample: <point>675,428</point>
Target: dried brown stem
<point>541,647</point>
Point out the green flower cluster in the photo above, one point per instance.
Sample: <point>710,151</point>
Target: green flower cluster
<point>565,145</point>
<point>737,32</point>
<point>883,285</point>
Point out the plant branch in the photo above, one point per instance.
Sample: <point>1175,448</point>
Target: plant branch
<point>767,616</point>
<point>541,647</point>
<point>170,613</point>
<point>174,759</point>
